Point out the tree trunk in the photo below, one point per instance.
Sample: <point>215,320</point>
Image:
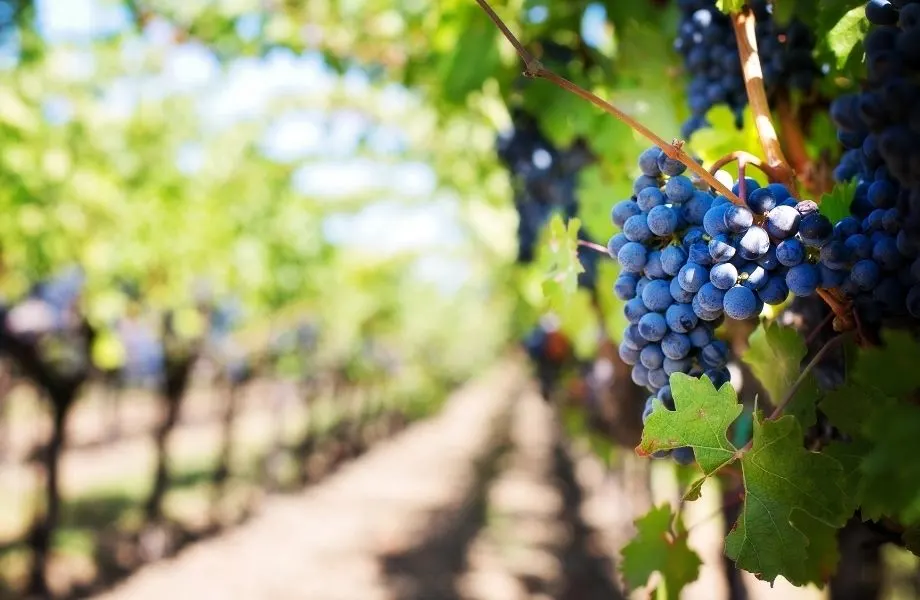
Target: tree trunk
<point>222,473</point>
<point>860,573</point>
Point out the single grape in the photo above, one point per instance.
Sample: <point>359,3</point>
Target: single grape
<point>754,243</point>
<point>652,327</point>
<point>640,375</point>
<point>651,356</point>
<point>721,248</point>
<point>657,295</point>
<point>790,252</point>
<point>761,200</point>
<point>715,354</point>
<point>692,276</point>
<point>803,279</point>
<point>657,378</point>
<point>782,222</point>
<point>718,377</point>
<point>679,189</point>
<point>753,276</point>
<point>678,293</point>
<point>670,166</point>
<point>662,220</point>
<point>740,303</point>
<point>738,218</point>
<point>672,259</point>
<point>815,229</point>
<point>634,309</point>
<point>714,220</point>
<point>615,244</point>
<point>623,210</point>
<point>632,256</point>
<point>636,228</point>
<point>723,275</point>
<point>653,267</point>
<point>681,318</point>
<point>865,274</point>
<point>628,355</point>
<point>625,286</point>
<point>709,299</point>
<point>675,345</point>
<point>648,199</point>
<point>648,162</point>
<point>683,455</point>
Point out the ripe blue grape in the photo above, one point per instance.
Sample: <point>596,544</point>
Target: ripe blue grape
<point>740,303</point>
<point>790,252</point>
<point>657,295</point>
<point>782,222</point>
<point>723,275</point>
<point>632,257</point>
<point>651,356</point>
<point>662,220</point>
<point>692,276</point>
<point>681,318</point>
<point>652,327</point>
<point>803,279</point>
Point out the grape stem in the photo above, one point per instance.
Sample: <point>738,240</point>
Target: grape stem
<point>745,158</point>
<point>744,23</point>
<point>534,69</point>
<point>827,347</point>
<point>593,246</point>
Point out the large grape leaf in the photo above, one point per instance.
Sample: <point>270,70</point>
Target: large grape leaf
<point>793,499</point>
<point>775,355</point>
<point>701,419</point>
<point>782,480</point>
<point>659,547</point>
<point>872,410</point>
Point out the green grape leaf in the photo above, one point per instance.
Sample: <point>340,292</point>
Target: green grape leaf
<point>850,456</point>
<point>782,479</point>
<point>712,143</point>
<point>658,547</point>
<point>775,356</point>
<point>890,480</point>
<point>850,407</point>
<point>701,419</point>
<point>597,193</point>
<point>835,205</point>
<point>891,368</point>
<point>471,62</point>
<point>730,6</point>
<point>847,35</point>
<point>561,254</point>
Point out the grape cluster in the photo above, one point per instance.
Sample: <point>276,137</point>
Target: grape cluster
<point>707,43</point>
<point>874,251</point>
<point>545,181</point>
<point>689,259</point>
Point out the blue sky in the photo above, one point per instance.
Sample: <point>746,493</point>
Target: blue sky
<point>324,141</point>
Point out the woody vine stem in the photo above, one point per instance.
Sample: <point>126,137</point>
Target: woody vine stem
<point>534,68</point>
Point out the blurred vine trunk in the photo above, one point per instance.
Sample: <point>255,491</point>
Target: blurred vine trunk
<point>231,390</point>
<point>59,382</point>
<point>7,382</point>
<point>860,573</point>
<point>181,356</point>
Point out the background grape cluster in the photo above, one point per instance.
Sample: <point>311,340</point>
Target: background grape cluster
<point>874,250</point>
<point>707,43</point>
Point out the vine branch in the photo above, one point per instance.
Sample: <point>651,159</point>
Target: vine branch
<point>778,411</point>
<point>535,69</point>
<point>593,246</point>
<point>745,158</point>
<point>744,23</point>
